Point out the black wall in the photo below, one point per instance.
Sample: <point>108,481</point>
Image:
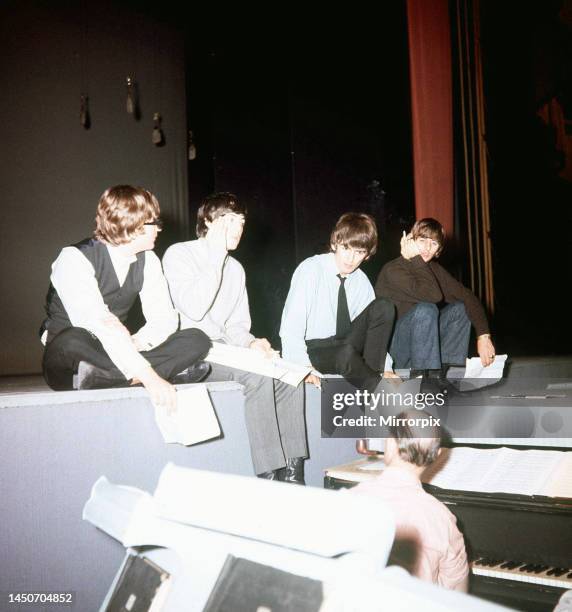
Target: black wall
<point>528,59</point>
<point>303,124</point>
<point>304,116</point>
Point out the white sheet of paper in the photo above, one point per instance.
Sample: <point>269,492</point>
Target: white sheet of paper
<point>475,369</point>
<point>193,421</point>
<point>495,470</point>
<point>254,361</point>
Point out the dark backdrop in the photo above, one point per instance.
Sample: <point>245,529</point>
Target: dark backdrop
<point>303,115</point>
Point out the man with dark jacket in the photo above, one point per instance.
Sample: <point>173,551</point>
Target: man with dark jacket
<point>434,311</point>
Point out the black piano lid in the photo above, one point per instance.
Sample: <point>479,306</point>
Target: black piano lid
<point>532,503</point>
<point>512,527</point>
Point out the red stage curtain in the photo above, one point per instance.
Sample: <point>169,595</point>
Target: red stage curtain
<point>431,109</point>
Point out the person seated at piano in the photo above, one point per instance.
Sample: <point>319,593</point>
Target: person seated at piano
<point>94,285</point>
<point>427,541</point>
<point>208,287</point>
<point>331,319</point>
<point>434,310</point>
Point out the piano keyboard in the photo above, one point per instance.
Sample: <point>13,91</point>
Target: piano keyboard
<point>560,577</point>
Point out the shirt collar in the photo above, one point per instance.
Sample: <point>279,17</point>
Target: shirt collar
<point>331,267</point>
<point>117,256</point>
<point>400,477</point>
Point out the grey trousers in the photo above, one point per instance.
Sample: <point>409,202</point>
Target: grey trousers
<point>274,417</point>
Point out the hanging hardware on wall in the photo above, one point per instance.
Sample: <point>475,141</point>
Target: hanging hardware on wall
<point>192,147</point>
<point>130,96</point>
<point>132,104</point>
<point>158,138</point>
<point>84,117</point>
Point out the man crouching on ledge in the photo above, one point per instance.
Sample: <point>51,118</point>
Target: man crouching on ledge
<point>94,285</point>
<point>427,541</point>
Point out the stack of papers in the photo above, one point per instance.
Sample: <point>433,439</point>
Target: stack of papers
<point>193,421</point>
<point>257,362</point>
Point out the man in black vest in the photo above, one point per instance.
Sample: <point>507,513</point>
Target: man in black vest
<point>94,284</point>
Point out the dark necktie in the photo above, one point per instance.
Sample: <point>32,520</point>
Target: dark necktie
<point>343,321</point>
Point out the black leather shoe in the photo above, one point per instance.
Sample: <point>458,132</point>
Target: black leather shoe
<point>293,472</point>
<point>92,377</point>
<point>272,475</point>
<point>193,374</point>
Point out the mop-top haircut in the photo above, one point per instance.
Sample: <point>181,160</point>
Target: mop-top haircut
<point>429,228</point>
<point>122,212</point>
<point>216,205</point>
<point>355,230</point>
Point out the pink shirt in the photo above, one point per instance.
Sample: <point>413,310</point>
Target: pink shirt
<point>427,541</point>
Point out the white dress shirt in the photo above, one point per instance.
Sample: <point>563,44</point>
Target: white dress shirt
<point>208,288</point>
<point>73,277</point>
<point>312,304</point>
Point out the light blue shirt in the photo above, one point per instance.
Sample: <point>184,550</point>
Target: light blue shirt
<point>312,304</point>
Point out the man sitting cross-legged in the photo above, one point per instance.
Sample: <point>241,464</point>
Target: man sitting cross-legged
<point>94,285</point>
<point>209,291</point>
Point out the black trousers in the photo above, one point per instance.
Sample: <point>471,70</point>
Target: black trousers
<point>63,354</point>
<point>360,356</point>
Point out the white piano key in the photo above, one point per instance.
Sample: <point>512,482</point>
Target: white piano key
<point>529,577</point>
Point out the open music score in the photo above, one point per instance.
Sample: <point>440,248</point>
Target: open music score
<point>499,470</point>
<point>503,470</point>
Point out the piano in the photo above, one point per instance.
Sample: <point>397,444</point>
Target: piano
<point>519,547</point>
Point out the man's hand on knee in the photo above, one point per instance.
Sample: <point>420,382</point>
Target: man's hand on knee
<point>312,379</point>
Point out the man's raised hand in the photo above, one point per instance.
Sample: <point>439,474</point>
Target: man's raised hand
<point>217,234</point>
<point>408,246</point>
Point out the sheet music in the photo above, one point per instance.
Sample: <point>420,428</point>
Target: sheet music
<point>193,421</point>
<point>475,369</point>
<point>560,484</point>
<point>502,470</point>
<point>522,472</point>
<point>255,361</point>
<point>459,468</point>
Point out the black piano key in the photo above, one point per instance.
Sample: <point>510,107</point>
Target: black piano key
<point>559,571</point>
<point>514,564</point>
<point>507,565</point>
<point>552,571</point>
<point>569,575</point>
